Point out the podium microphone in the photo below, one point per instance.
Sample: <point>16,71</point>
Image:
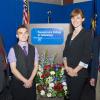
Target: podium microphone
<point>49,15</point>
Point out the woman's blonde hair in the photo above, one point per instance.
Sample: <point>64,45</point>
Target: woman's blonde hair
<point>77,11</point>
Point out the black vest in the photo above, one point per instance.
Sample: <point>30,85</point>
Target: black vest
<point>25,64</point>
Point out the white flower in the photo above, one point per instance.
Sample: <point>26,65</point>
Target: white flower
<point>37,84</point>
<point>40,68</point>
<point>64,83</point>
<point>65,88</point>
<point>51,85</point>
<point>48,94</point>
<point>62,71</point>
<point>52,72</point>
<point>65,92</point>
<point>42,92</point>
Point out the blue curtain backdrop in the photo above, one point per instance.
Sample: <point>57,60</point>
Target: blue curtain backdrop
<point>87,8</point>
<point>8,22</point>
<point>11,16</point>
<point>39,13</point>
<point>59,14</point>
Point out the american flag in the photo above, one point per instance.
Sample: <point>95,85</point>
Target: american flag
<point>26,16</point>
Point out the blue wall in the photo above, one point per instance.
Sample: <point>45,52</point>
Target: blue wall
<point>60,14</point>
<point>19,12</point>
<point>87,8</point>
<point>39,13</point>
<point>8,22</point>
<point>11,16</point>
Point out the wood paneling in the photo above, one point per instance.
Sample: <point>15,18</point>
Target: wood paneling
<point>67,1</point>
<point>59,2</point>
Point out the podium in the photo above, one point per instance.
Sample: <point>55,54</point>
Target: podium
<point>49,37</point>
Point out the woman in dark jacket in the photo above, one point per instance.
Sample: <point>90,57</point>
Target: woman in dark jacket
<point>76,55</point>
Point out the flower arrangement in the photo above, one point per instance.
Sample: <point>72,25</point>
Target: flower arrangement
<point>50,78</point>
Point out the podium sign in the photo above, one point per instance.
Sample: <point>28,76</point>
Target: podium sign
<point>47,36</point>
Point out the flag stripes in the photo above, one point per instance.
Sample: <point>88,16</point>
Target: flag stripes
<point>26,17</point>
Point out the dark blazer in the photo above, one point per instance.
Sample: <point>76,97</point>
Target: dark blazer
<point>2,66</point>
<point>78,49</point>
<point>95,59</point>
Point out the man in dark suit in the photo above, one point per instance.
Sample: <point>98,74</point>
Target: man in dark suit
<point>2,66</point>
<point>95,73</point>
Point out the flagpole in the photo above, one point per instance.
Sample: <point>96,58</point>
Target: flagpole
<point>26,13</point>
<point>94,18</point>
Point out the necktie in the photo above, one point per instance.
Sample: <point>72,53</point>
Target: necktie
<point>24,49</point>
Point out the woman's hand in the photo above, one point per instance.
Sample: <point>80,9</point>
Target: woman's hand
<point>71,72</point>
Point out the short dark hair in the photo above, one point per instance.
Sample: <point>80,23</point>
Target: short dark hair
<point>22,26</point>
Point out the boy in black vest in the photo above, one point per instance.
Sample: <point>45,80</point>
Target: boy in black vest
<point>23,59</point>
